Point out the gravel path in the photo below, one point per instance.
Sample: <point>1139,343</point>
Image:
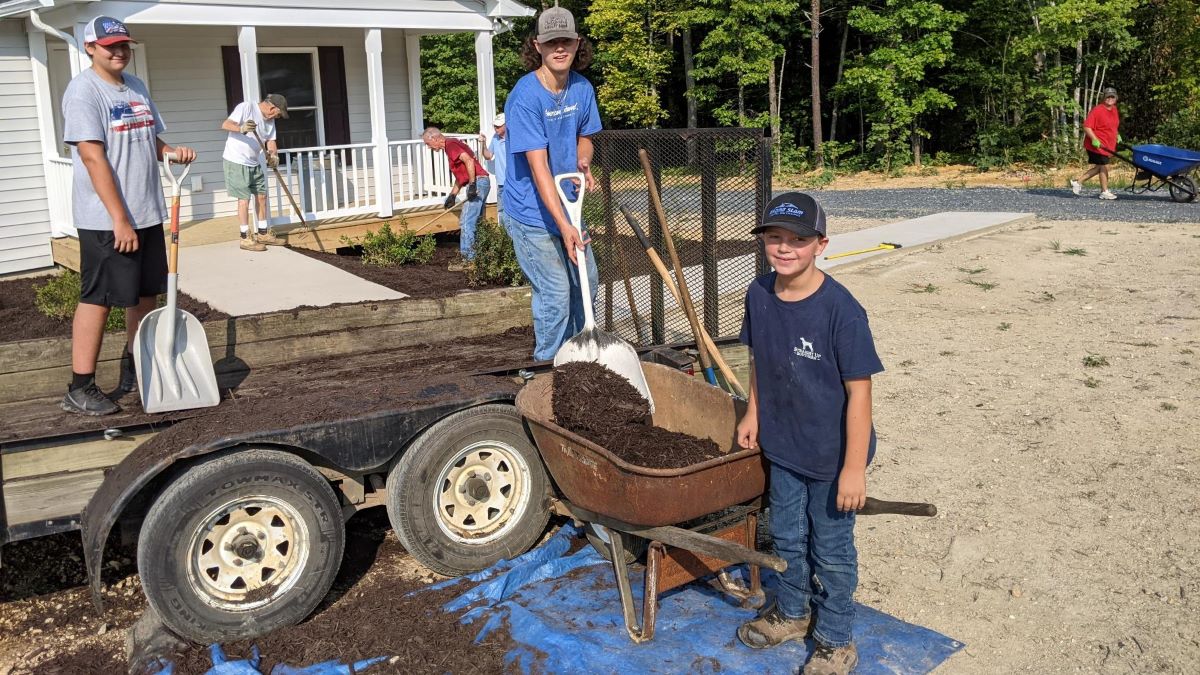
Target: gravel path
<point>1047,203</point>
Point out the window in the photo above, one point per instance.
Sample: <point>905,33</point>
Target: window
<point>294,74</point>
<point>314,82</point>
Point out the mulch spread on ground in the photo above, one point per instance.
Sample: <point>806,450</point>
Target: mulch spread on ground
<point>20,319</point>
<point>605,408</point>
<point>431,280</point>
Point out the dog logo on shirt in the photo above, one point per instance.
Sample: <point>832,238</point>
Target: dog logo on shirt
<point>806,350</point>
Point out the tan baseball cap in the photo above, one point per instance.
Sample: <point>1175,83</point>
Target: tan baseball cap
<point>278,101</point>
<point>556,23</point>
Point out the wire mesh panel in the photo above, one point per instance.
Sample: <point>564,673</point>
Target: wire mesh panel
<point>713,185</point>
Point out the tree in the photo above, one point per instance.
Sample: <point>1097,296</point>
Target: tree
<point>449,87</point>
<point>910,39</point>
<point>634,60</point>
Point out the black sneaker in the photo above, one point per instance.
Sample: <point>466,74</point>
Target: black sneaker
<point>129,382</point>
<point>89,400</point>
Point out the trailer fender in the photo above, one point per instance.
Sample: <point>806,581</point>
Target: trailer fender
<point>353,446</point>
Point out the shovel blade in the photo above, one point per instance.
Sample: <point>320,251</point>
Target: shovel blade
<point>175,372</point>
<point>592,345</point>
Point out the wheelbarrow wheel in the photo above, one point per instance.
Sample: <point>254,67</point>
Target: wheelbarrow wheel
<point>635,547</point>
<point>1186,192</point>
<point>469,491</point>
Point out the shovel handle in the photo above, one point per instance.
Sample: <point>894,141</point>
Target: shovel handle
<point>173,255</point>
<point>875,507</point>
<point>574,211</point>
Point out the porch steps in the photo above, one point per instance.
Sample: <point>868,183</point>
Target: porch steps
<point>325,235</point>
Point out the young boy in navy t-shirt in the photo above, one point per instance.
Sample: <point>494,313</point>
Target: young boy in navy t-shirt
<point>811,362</point>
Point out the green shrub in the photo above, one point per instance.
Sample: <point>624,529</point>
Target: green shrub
<point>388,248</point>
<point>59,295</point>
<point>1181,129</point>
<point>495,260</point>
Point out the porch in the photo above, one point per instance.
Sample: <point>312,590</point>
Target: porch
<point>350,152</point>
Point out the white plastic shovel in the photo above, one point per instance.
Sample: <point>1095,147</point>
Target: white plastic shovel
<point>174,367</point>
<point>592,344</point>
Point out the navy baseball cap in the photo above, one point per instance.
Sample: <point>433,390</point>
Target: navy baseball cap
<point>106,31</point>
<point>795,212</point>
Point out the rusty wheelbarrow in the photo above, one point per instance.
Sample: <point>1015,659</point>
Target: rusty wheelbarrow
<point>698,520</point>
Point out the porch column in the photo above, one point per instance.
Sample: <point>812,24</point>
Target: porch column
<point>382,161</point>
<point>486,78</point>
<point>247,38</point>
<point>416,109</point>
<point>39,61</point>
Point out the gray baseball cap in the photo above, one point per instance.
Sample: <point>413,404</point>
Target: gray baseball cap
<point>1110,91</point>
<point>556,23</point>
<point>278,101</point>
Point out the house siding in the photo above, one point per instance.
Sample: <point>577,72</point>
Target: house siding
<point>24,212</point>
<point>187,85</point>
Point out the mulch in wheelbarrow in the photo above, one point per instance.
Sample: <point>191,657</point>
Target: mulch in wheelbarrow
<point>603,407</point>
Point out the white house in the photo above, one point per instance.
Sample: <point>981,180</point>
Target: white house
<point>351,74</point>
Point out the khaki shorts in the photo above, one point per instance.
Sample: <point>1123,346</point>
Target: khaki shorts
<point>241,181</point>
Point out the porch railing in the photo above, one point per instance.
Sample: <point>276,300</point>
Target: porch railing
<point>339,180</point>
<point>58,188</point>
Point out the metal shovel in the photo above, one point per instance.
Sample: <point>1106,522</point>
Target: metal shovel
<point>174,367</point>
<point>591,344</point>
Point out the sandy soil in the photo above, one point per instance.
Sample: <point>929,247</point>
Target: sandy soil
<point>1043,389</point>
<point>1053,419</point>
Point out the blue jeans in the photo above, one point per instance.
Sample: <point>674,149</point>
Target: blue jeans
<point>816,540</point>
<point>500,204</point>
<point>468,220</point>
<point>557,301</point>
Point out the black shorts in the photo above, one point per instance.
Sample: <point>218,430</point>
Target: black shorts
<point>1097,158</point>
<point>114,279</point>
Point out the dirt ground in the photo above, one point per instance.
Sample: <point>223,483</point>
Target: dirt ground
<point>1043,389</point>
<point>952,176</point>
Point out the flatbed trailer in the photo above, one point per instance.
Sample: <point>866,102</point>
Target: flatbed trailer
<point>238,511</point>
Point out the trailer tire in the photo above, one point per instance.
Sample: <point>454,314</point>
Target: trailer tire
<point>469,491</point>
<point>240,545</point>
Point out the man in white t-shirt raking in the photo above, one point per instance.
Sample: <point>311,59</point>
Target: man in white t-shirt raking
<point>243,174</point>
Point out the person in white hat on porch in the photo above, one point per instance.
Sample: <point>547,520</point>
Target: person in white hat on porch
<point>495,152</point>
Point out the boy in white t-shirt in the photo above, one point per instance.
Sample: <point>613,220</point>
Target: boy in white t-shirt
<point>243,174</point>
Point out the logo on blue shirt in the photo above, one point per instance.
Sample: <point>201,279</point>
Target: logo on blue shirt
<point>788,209</point>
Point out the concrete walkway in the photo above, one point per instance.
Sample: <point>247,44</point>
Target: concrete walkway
<point>241,282</point>
<point>915,232</point>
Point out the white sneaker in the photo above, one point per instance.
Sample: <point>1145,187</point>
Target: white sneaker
<point>1107,194</point>
<point>1076,186</point>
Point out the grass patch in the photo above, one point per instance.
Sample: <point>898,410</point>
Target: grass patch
<point>972,270</point>
<point>1168,407</point>
<point>1185,350</point>
<point>1094,361</point>
<point>1091,382</point>
<point>1046,296</point>
<point>1004,325</point>
<point>907,362</point>
<point>919,288</point>
<point>495,260</point>
<point>58,297</point>
<point>1055,245</point>
<point>946,353</point>
<point>1143,344</point>
<point>982,285</point>
<point>1074,251</point>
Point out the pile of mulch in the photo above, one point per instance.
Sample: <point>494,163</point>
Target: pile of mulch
<point>606,409</point>
<point>20,319</point>
<point>431,280</point>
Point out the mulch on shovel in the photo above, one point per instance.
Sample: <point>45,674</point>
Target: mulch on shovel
<point>605,408</point>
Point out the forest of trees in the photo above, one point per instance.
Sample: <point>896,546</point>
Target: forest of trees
<point>879,85</point>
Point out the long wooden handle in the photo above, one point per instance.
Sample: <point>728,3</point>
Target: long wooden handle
<point>686,297</point>
<point>657,262</point>
<point>876,507</point>
<point>279,177</point>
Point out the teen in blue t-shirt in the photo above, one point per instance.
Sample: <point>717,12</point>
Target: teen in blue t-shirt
<point>550,113</point>
<point>812,358</point>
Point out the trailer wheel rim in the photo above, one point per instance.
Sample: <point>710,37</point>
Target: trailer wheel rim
<point>480,491</point>
<point>247,552</point>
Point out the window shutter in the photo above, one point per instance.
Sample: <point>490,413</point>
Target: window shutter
<point>331,63</point>
<point>232,61</point>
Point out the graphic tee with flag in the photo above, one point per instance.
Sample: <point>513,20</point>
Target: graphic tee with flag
<point>124,119</point>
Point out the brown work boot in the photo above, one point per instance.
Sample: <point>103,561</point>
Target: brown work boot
<point>831,660</point>
<point>269,238</point>
<point>772,628</point>
<point>251,244</point>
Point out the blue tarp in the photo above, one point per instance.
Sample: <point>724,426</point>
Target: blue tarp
<point>565,614</point>
<point>573,624</point>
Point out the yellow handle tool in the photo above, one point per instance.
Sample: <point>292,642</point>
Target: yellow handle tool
<point>882,247</point>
